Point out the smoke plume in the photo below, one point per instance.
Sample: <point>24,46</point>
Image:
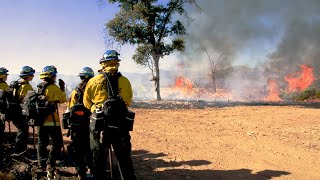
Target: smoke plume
<point>274,36</point>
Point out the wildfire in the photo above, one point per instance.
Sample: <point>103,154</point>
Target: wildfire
<point>299,81</point>
<point>273,91</point>
<point>184,88</point>
<point>182,82</point>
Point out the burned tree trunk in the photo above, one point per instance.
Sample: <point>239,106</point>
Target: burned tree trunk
<point>213,79</point>
<point>213,68</point>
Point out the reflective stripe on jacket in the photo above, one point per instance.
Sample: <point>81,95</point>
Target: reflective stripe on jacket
<point>96,93</point>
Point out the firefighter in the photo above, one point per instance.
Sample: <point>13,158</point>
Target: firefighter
<point>51,124</point>
<point>20,121</point>
<point>3,86</point>
<point>94,96</point>
<point>79,148</point>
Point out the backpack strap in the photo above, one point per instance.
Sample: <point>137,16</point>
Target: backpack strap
<point>42,86</point>
<point>41,89</point>
<point>79,95</point>
<point>112,84</point>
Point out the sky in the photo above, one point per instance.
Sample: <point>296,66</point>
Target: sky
<point>68,34</point>
<point>275,36</point>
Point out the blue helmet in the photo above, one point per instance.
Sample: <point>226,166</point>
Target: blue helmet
<point>48,72</point>
<point>26,70</point>
<point>86,71</point>
<point>3,71</point>
<point>110,55</point>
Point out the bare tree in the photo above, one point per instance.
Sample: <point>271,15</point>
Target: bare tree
<point>213,62</point>
<point>151,26</point>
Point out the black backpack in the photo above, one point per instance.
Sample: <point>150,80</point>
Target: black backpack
<point>78,115</point>
<point>35,105</point>
<point>9,101</point>
<point>114,110</point>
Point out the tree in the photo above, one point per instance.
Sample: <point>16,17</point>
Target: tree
<point>213,68</point>
<point>149,25</point>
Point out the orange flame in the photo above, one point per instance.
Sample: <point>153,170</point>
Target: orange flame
<point>182,82</point>
<point>273,91</point>
<point>299,81</point>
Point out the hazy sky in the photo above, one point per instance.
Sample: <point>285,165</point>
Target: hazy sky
<point>68,34</point>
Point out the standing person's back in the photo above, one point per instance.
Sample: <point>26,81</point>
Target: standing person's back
<point>95,95</point>
<point>20,121</point>
<point>79,148</point>
<point>3,86</point>
<point>51,123</point>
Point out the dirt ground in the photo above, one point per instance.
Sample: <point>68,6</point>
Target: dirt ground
<point>228,141</point>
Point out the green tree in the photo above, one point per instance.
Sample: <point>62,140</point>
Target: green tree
<point>149,24</point>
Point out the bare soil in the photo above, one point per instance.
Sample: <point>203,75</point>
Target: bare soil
<point>174,140</point>
<point>233,141</point>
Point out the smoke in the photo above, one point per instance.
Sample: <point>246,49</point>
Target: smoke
<point>274,36</point>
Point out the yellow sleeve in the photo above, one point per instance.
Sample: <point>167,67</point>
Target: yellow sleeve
<point>24,88</point>
<point>72,100</point>
<point>95,93</point>
<point>125,90</point>
<point>87,95</point>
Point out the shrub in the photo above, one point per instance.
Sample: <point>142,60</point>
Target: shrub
<point>308,94</point>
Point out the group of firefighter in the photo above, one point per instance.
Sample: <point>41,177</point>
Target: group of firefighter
<point>88,147</point>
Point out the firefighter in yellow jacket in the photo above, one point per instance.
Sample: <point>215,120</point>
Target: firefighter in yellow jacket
<point>79,148</point>
<point>94,96</point>
<point>20,121</point>
<point>3,86</point>
<point>51,125</point>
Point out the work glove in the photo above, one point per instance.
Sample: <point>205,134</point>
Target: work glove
<point>61,85</point>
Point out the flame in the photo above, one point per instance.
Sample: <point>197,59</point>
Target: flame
<point>182,82</point>
<point>273,90</point>
<point>184,88</point>
<point>299,81</point>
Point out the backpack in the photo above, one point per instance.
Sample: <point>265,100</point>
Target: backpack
<point>114,110</point>
<point>9,101</point>
<point>35,105</point>
<point>78,114</point>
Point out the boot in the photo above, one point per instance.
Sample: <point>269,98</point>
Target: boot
<point>52,173</point>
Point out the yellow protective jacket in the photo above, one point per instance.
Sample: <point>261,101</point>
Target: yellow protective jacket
<point>73,100</point>
<point>3,85</point>
<point>54,94</point>
<point>96,93</point>
<point>24,88</point>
